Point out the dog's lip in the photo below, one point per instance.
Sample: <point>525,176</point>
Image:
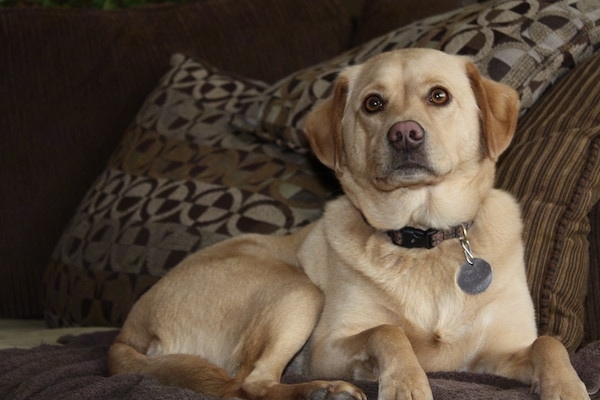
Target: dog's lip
<point>411,165</point>
<point>407,173</point>
<point>397,169</point>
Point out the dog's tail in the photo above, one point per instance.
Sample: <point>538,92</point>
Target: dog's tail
<point>184,370</point>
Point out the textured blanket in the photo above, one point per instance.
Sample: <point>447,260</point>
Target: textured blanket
<point>78,370</point>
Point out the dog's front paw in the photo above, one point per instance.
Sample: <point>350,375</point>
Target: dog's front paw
<point>408,386</point>
<point>563,389</point>
<point>337,390</point>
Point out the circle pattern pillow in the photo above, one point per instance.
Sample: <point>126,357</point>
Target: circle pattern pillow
<point>526,44</point>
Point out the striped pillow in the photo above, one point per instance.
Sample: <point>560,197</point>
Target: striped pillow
<point>553,167</point>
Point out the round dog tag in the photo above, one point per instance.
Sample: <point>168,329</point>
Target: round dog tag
<point>474,278</point>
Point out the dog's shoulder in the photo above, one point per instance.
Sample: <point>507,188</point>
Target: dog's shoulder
<point>341,229</point>
<point>499,219</point>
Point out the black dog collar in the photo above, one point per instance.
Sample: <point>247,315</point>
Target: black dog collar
<point>417,238</point>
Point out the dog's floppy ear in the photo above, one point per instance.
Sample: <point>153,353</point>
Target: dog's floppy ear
<point>323,127</point>
<point>499,105</point>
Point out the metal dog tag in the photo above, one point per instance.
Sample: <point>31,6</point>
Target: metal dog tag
<point>475,274</point>
<point>475,277</point>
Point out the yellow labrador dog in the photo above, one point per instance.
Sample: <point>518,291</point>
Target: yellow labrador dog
<point>417,268</point>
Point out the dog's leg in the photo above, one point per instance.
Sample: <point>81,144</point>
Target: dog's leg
<point>553,375</point>
<point>313,390</point>
<point>275,320</point>
<point>384,352</point>
<point>272,342</point>
<point>547,366</point>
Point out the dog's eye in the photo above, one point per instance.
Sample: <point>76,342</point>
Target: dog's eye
<point>373,104</point>
<point>439,96</point>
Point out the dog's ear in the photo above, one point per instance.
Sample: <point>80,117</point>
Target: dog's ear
<point>499,106</point>
<point>324,127</point>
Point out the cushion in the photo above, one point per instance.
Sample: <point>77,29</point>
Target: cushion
<point>72,79</point>
<point>553,168</point>
<point>180,180</point>
<point>526,44</point>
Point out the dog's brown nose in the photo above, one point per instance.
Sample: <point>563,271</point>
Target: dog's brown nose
<point>406,135</point>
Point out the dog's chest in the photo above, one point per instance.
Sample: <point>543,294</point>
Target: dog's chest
<point>369,281</point>
<point>414,288</point>
<point>421,284</point>
<point>417,290</point>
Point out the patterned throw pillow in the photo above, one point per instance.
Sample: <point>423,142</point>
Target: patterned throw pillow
<point>180,180</point>
<point>525,44</point>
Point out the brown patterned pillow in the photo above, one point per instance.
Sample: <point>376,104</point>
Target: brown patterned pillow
<point>180,180</point>
<point>553,167</point>
<point>525,44</point>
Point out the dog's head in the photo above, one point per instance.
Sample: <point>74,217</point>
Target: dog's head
<point>414,129</point>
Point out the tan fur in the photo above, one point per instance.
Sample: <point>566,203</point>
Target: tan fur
<point>230,318</point>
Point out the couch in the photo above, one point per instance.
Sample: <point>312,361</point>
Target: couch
<point>131,138</point>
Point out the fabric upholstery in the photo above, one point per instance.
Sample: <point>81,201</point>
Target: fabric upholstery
<point>79,370</point>
<point>382,16</point>
<point>72,79</point>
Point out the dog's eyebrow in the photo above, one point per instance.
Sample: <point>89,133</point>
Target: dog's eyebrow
<point>374,88</point>
<point>437,81</point>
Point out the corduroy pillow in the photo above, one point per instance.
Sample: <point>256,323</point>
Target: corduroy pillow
<point>179,181</point>
<point>526,44</point>
<point>553,168</point>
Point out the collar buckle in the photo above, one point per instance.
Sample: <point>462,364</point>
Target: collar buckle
<point>411,238</point>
